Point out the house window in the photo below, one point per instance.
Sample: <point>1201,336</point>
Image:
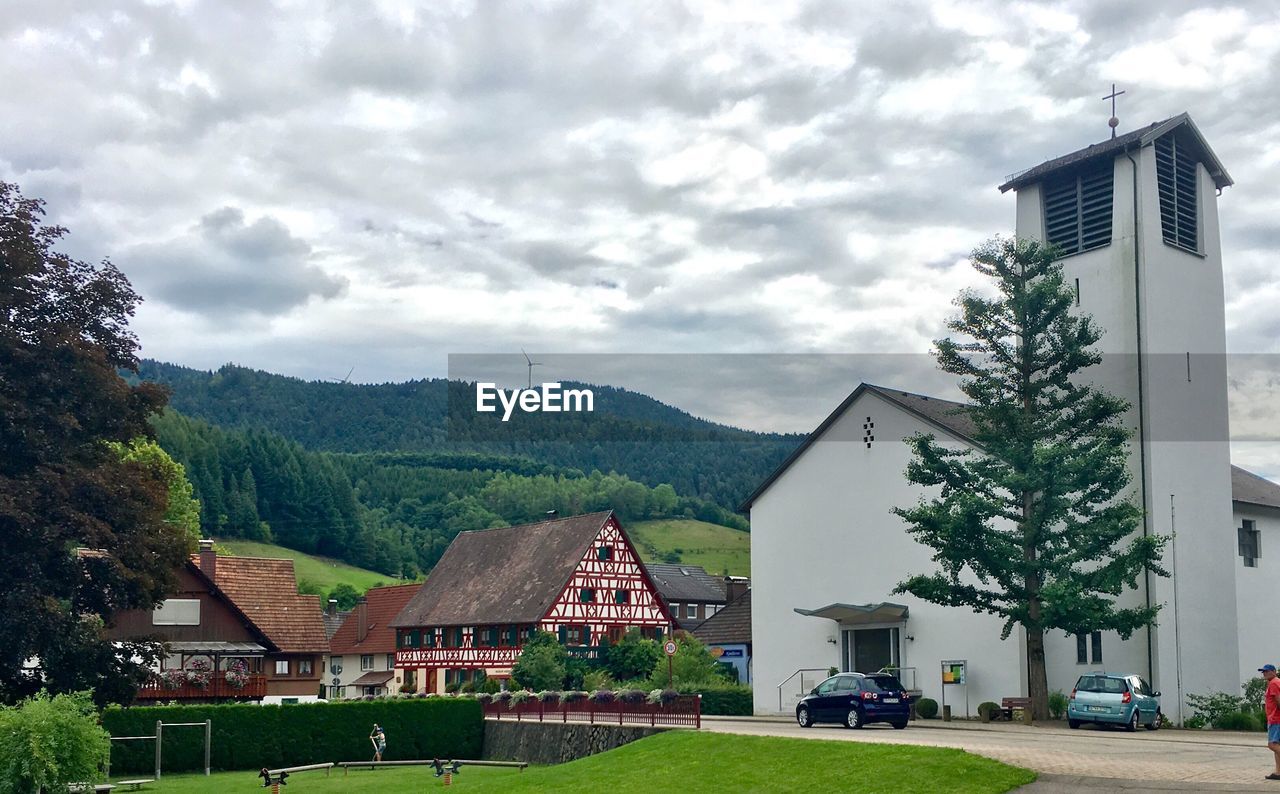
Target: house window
<point>622,596</point>
<point>337,692</point>
<point>1077,209</point>
<point>586,595</point>
<point>573,635</point>
<point>604,553</point>
<point>691,611</point>
<point>391,661</point>
<point>458,637</point>
<point>1249,539</point>
<point>1096,656</point>
<point>177,612</point>
<point>304,666</point>
<point>282,666</point>
<point>366,662</point>
<point>676,610</point>
<point>1176,181</point>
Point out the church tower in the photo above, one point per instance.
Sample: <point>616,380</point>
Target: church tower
<point>1136,218</point>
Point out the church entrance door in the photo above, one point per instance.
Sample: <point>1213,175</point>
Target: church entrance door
<point>869,650</point>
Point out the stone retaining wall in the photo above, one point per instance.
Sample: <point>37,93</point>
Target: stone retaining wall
<point>555,742</point>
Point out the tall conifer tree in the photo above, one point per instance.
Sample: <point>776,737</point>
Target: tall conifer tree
<point>1036,526</point>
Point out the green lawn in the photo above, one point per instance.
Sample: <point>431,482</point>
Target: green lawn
<point>712,546</point>
<point>321,572</point>
<point>687,762</point>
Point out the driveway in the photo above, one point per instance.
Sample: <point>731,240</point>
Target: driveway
<point>1163,760</point>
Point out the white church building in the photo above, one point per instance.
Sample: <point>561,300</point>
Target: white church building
<point>1137,219</point>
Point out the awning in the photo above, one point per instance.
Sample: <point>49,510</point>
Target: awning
<point>374,678</point>
<point>223,648</point>
<point>859,614</point>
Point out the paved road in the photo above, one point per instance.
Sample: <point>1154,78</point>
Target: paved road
<point>1142,761</point>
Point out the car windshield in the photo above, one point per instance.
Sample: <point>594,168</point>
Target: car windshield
<point>882,683</point>
<point>1102,684</point>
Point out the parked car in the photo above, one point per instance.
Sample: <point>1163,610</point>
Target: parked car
<point>1114,699</point>
<point>856,699</point>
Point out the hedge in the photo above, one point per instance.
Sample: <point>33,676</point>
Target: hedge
<point>728,702</point>
<point>250,736</point>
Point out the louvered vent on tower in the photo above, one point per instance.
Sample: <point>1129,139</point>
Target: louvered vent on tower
<point>1176,179</point>
<point>1077,209</point>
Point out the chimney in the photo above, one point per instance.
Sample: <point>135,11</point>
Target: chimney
<point>208,559</point>
<point>735,587</point>
<point>333,607</point>
<point>362,619</point>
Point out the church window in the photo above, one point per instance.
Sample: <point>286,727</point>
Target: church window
<point>1096,656</point>
<point>1082,649</point>
<point>1083,643</point>
<point>1077,209</point>
<point>1250,542</point>
<point>1176,180</point>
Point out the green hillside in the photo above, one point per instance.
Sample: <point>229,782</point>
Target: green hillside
<point>315,574</point>
<point>717,549</point>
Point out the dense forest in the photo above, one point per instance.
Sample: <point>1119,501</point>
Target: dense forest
<point>391,512</point>
<point>628,433</point>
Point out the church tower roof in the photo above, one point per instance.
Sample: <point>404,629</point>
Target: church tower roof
<point>1123,143</point>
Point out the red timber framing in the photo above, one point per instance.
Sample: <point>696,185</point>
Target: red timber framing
<point>608,593</point>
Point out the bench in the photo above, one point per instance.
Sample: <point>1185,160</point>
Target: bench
<point>134,785</point>
<point>1010,705</point>
<point>94,787</point>
<point>347,765</point>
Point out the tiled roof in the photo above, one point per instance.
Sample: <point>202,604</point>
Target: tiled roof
<point>1251,489</point>
<point>1121,143</point>
<point>266,591</point>
<point>332,622</point>
<point>730,625</point>
<point>680,583</point>
<point>508,575</point>
<point>382,604</point>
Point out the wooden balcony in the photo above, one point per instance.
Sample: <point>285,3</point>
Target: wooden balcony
<point>218,689</point>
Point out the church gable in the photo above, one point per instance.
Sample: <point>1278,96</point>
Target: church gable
<point>608,592</point>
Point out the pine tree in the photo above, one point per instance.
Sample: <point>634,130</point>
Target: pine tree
<point>1036,525</point>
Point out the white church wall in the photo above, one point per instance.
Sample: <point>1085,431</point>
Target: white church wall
<point>823,533</point>
<point>1256,595</point>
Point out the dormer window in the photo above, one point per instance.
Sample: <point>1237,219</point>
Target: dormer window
<point>1176,180</point>
<point>1077,209</point>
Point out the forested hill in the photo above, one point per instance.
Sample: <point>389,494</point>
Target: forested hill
<point>629,433</point>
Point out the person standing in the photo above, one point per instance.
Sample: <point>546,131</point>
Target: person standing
<point>1272,704</point>
<point>379,739</point>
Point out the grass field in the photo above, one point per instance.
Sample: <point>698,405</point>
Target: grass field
<point>321,572</point>
<point>680,761</point>
<point>712,546</point>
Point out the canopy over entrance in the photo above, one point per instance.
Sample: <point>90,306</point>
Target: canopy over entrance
<point>858,614</point>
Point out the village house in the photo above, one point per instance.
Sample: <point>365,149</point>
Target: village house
<point>578,578</point>
<point>237,615</point>
<point>690,593</point>
<point>362,652</point>
<point>727,633</point>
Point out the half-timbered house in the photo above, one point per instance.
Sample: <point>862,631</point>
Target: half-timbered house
<point>579,578</point>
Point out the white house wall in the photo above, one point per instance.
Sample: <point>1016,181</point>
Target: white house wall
<point>823,533</point>
<point>1256,597</point>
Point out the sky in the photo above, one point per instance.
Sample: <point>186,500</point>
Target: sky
<point>311,188</point>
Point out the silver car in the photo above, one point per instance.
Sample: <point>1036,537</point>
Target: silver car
<point>1113,699</point>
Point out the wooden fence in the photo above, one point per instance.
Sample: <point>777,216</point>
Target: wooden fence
<point>685,710</point>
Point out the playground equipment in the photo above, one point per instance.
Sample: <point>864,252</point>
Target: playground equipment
<point>158,739</point>
<point>280,778</point>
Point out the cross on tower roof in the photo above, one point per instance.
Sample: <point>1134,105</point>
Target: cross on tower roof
<point>1113,122</point>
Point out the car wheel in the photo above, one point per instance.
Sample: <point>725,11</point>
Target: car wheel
<point>1133,722</point>
<point>853,719</point>
<point>897,726</point>
<point>802,717</point>
<point>1073,724</point>
<point>1156,721</point>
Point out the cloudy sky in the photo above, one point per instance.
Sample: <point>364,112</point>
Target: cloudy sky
<point>308,187</point>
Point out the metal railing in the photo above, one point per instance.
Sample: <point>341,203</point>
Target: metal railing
<point>900,674</point>
<point>804,684</point>
<point>684,710</point>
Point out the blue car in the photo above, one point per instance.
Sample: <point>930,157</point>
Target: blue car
<point>855,699</point>
<point>1114,699</point>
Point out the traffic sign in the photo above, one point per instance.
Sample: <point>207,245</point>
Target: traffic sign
<point>670,647</point>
